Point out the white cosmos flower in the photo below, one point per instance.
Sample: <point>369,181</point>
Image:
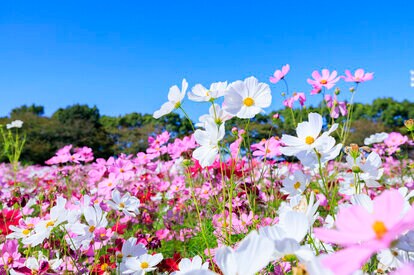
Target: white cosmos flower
<point>142,264</point>
<point>253,253</point>
<point>393,258</point>
<point>326,151</point>
<point>300,203</point>
<point>199,93</point>
<point>308,137</point>
<point>95,218</point>
<point>58,215</point>
<point>287,235</point>
<point>208,139</point>
<point>370,171</point>
<point>130,249</point>
<point>127,204</point>
<point>247,98</point>
<point>218,114</point>
<point>15,124</point>
<point>187,265</point>
<point>36,264</point>
<point>295,184</point>
<point>175,96</point>
<point>375,138</point>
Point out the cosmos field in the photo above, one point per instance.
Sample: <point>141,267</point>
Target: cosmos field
<point>213,202</point>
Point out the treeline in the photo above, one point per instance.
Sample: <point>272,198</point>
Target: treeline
<point>82,125</point>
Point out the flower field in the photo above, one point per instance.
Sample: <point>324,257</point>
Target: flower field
<point>213,202</point>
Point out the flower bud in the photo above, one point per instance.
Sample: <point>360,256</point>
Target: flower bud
<point>409,124</point>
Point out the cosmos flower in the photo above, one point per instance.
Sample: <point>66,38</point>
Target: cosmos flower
<point>295,184</point>
<point>326,80</point>
<point>175,96</point>
<point>358,77</point>
<point>336,107</point>
<point>308,137</point>
<point>208,139</point>
<point>191,265</point>
<point>279,74</point>
<point>127,204</point>
<point>253,253</point>
<point>375,138</point>
<point>364,233</point>
<point>142,264</point>
<point>199,93</point>
<point>15,124</point>
<point>247,98</point>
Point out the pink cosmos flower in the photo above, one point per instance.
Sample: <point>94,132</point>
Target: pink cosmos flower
<point>358,77</point>
<point>364,233</point>
<point>279,74</point>
<point>11,257</point>
<point>336,106</point>
<point>395,139</point>
<point>316,90</point>
<point>326,80</point>
<point>296,96</point>
<point>267,148</point>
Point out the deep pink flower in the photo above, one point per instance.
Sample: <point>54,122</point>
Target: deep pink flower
<point>326,80</point>
<point>279,74</point>
<point>364,233</point>
<point>358,77</point>
<point>335,106</point>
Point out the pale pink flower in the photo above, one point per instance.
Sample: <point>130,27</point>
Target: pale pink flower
<point>364,232</point>
<point>279,74</point>
<point>336,107</point>
<point>395,139</point>
<point>358,77</point>
<point>326,80</point>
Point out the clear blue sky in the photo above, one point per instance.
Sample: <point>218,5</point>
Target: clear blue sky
<point>124,55</point>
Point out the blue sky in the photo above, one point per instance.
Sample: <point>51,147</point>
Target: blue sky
<point>123,56</point>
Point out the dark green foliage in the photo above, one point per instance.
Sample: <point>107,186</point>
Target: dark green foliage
<point>82,125</point>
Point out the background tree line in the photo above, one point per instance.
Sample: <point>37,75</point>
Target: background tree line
<point>82,125</point>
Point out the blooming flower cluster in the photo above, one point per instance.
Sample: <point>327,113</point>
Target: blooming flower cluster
<point>303,203</point>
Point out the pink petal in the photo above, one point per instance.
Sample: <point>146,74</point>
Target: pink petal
<point>348,260</point>
<point>316,76</point>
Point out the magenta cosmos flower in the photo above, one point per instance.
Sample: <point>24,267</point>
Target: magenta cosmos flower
<point>279,74</point>
<point>364,232</point>
<point>358,77</point>
<point>326,80</point>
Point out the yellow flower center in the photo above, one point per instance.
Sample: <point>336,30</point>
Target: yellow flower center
<point>121,205</point>
<point>379,229</point>
<point>208,93</point>
<point>309,140</point>
<point>26,232</point>
<point>177,105</point>
<point>296,185</point>
<point>144,265</point>
<point>104,267</point>
<point>91,228</point>
<point>248,101</point>
<point>50,223</point>
<point>324,81</point>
